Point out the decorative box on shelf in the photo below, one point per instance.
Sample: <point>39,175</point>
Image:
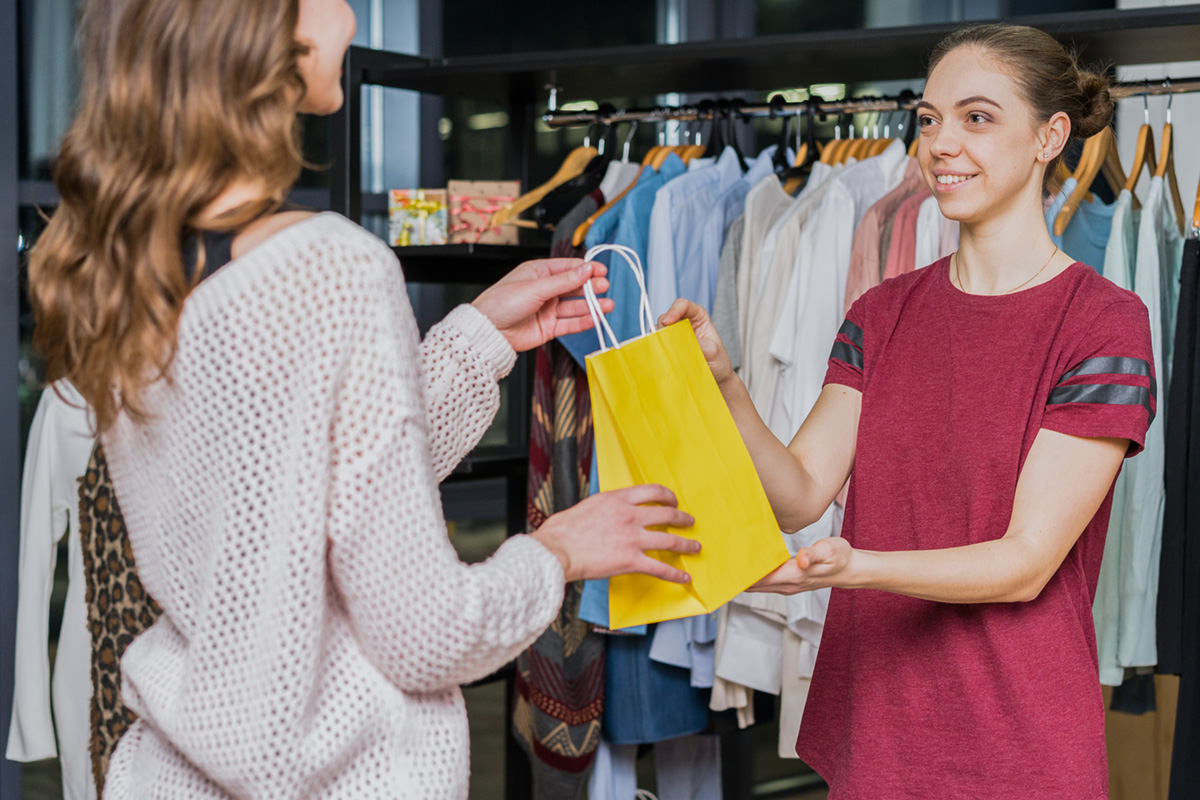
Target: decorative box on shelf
<point>417,217</point>
<point>472,204</point>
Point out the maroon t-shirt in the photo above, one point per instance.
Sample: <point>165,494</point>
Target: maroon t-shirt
<point>916,699</point>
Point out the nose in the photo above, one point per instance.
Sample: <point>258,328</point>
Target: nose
<point>944,142</point>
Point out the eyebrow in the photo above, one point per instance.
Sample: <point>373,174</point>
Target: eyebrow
<point>966,101</point>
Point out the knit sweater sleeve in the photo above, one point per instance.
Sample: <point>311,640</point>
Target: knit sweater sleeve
<point>462,358</point>
<point>425,619</point>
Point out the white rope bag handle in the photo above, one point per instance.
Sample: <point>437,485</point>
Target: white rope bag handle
<point>645,318</point>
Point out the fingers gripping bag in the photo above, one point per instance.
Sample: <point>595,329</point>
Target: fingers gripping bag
<point>659,417</point>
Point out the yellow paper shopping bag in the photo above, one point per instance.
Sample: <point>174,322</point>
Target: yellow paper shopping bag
<point>660,418</point>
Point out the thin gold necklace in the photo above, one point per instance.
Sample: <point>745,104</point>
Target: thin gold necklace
<point>958,272</point>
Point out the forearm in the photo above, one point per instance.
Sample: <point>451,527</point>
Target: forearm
<point>1006,570</point>
<point>796,497</point>
<point>462,358</point>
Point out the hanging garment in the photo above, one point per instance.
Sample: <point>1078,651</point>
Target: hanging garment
<point>923,482</point>
<point>687,768</point>
<point>698,280</point>
<point>1119,261</point>
<point>627,224</point>
<point>865,270</point>
<point>1182,539</point>
<point>1086,236</point>
<point>777,258</point>
<point>725,303</point>
<point>765,203</point>
<point>1144,493</point>
<point>673,258</point>
<point>812,307</point>
<point>937,237</point>
<point>560,678</point>
<point>902,245</point>
<point>1181,515</point>
<point>118,608</point>
<point>60,441</point>
<point>560,243</point>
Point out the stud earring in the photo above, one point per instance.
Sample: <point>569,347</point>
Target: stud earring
<point>1045,155</point>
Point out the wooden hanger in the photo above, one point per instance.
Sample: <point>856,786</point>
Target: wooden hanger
<point>1166,167</point>
<point>1196,212</point>
<point>879,146</point>
<point>1143,155</point>
<point>912,148</point>
<point>1091,160</point>
<point>572,166</point>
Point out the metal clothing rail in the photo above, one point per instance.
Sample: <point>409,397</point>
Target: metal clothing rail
<point>710,110</point>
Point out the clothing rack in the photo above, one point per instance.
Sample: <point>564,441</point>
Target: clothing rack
<point>905,102</point>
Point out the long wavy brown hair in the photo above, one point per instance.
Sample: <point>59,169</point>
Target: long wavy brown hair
<point>178,98</point>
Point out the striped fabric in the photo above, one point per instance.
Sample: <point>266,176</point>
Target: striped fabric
<point>848,346</point>
<point>1109,380</point>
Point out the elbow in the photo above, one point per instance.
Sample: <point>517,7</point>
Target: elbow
<point>1027,590</point>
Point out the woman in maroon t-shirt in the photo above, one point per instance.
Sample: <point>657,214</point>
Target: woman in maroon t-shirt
<point>984,405</point>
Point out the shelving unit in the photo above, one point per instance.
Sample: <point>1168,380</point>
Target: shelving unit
<point>1110,38</point>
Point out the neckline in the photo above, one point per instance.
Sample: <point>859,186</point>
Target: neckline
<point>943,268</point>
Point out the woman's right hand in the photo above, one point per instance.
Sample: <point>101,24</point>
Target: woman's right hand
<point>608,534</point>
<point>710,341</point>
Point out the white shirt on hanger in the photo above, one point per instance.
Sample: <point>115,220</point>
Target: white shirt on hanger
<point>1158,245</point>
<point>775,262</point>
<point>1119,258</point>
<point>60,444</point>
<point>618,177</point>
<point>765,203</point>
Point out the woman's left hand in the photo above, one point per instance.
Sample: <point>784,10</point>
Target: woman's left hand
<point>541,300</point>
<point>826,563</point>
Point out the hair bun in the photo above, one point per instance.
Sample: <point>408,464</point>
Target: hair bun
<point>1095,103</point>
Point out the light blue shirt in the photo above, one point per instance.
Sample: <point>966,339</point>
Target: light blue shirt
<point>627,223</point>
<point>680,209</point>
<point>1086,236</point>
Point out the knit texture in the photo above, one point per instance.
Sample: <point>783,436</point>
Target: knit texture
<point>283,506</point>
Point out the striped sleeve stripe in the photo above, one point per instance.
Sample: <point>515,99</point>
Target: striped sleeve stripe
<point>1112,365</point>
<point>1106,394</point>
<point>853,333</point>
<point>847,354</point>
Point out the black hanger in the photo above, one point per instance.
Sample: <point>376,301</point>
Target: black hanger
<point>716,141</point>
<point>910,130</point>
<point>810,137</point>
<point>733,116</point>
<point>779,161</point>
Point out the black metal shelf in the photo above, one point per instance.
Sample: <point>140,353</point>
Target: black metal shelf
<point>483,464</point>
<point>463,263</point>
<point>1135,36</point>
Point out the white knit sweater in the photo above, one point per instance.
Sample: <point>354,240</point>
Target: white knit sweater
<point>283,508</point>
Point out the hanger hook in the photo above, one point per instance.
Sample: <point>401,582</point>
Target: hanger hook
<point>628,140</point>
<point>1146,102</point>
<point>1170,98</point>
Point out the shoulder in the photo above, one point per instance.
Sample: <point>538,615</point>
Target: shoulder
<point>327,245</point>
<point>1093,299</point>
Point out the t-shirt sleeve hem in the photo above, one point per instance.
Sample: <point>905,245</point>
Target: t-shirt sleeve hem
<point>1098,430</point>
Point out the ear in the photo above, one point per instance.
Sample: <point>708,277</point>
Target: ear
<point>1053,135</point>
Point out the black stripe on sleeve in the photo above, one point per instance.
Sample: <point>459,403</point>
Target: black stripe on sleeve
<point>1105,394</point>
<point>1112,365</point>
<point>853,333</point>
<point>847,354</point>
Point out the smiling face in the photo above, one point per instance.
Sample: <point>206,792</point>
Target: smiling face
<point>981,150</point>
<point>326,28</point>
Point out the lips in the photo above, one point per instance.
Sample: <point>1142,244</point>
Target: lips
<point>950,181</point>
